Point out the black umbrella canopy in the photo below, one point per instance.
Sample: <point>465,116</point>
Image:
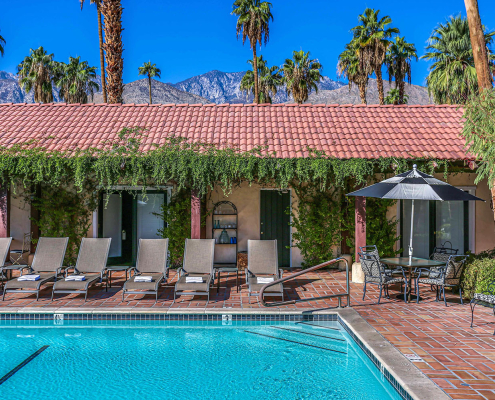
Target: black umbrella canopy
<point>414,185</point>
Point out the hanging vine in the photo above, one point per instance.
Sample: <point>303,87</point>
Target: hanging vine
<point>190,165</point>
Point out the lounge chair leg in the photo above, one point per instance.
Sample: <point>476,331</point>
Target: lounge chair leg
<point>85,296</point>
<point>364,291</point>
<point>4,292</point>
<point>123,294</point>
<point>37,295</point>
<point>472,305</point>
<point>379,297</point>
<point>444,299</point>
<point>52,296</point>
<point>460,295</point>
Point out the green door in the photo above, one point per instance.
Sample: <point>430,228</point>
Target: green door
<point>275,222</point>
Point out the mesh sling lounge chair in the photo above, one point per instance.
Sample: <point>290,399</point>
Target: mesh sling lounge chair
<point>151,261</point>
<point>4,250</point>
<point>91,262</point>
<point>197,262</point>
<point>263,263</point>
<point>375,273</point>
<point>47,263</point>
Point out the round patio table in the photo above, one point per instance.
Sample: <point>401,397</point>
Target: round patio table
<point>403,262</point>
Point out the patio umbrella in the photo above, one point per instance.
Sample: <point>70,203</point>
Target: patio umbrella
<point>414,185</point>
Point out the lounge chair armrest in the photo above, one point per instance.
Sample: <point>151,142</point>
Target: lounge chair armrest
<point>180,271</point>
<point>66,270</point>
<point>22,268</point>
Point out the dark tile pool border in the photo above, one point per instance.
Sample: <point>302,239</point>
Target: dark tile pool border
<point>348,318</point>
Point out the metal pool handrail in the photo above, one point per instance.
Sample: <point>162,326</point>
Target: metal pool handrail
<point>325,264</point>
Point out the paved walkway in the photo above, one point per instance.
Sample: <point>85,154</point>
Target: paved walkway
<point>460,359</point>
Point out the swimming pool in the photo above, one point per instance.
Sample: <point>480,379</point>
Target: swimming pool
<point>185,360</point>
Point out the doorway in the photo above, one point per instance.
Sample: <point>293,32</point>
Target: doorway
<point>127,217</point>
<point>275,222</point>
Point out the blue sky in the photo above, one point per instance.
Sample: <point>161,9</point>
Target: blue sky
<point>190,37</point>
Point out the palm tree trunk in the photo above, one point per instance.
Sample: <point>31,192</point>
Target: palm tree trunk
<point>255,71</point>
<point>379,84</point>
<point>149,87</point>
<point>478,44</point>
<point>402,90</point>
<point>362,92</point>
<point>112,12</point>
<point>102,54</point>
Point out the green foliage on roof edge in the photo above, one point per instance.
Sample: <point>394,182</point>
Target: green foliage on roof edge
<point>190,165</point>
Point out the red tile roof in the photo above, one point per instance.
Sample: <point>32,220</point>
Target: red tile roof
<point>343,131</point>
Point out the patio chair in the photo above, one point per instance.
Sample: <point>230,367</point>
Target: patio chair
<point>263,263</point>
<point>47,264</point>
<point>91,263</point>
<point>197,263</point>
<point>375,273</point>
<point>485,298</point>
<point>448,275</point>
<point>151,262</point>
<point>373,250</point>
<point>17,255</point>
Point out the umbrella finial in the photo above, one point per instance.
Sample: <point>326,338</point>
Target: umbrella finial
<point>415,166</point>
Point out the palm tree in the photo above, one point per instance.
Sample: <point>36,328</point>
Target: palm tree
<point>102,54</point>
<point>350,67</point>
<point>452,78</point>
<point>301,75</point>
<point>393,97</point>
<point>2,43</point>
<point>399,57</point>
<point>480,56</point>
<point>76,80</point>
<point>36,72</point>
<point>374,39</point>
<point>151,70</point>
<point>269,79</point>
<point>253,21</point>
<point>112,12</point>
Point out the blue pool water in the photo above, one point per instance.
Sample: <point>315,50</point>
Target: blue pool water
<point>186,360</point>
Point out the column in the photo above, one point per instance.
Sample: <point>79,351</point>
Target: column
<point>195,215</point>
<point>4,212</point>
<point>359,237</point>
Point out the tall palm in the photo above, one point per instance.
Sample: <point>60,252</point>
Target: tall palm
<point>301,75</point>
<point>253,22</point>
<point>374,36</point>
<point>76,80</point>
<point>269,79</point>
<point>350,67</point>
<point>2,43</point>
<point>399,57</point>
<point>36,72</point>
<point>151,70</point>
<point>102,54</point>
<point>112,12</point>
<point>452,78</point>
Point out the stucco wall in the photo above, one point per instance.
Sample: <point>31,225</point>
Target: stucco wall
<point>247,200</point>
<point>20,212</point>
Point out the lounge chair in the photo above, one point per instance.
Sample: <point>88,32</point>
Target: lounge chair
<point>91,262</point>
<point>47,263</point>
<point>151,261</point>
<point>4,250</point>
<point>263,263</point>
<point>197,263</point>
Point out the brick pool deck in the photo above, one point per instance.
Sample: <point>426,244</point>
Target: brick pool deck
<point>459,359</point>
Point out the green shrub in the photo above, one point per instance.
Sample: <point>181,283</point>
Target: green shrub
<point>478,274</point>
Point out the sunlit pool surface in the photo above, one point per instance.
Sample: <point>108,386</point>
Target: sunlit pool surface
<point>186,360</point>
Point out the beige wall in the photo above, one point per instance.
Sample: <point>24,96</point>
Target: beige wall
<point>247,200</point>
<point>20,212</point>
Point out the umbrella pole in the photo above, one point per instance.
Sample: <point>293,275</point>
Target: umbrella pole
<point>411,235</point>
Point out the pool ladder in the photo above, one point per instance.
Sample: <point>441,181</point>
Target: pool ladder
<point>288,278</point>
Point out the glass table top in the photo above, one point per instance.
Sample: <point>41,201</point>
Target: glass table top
<point>415,263</point>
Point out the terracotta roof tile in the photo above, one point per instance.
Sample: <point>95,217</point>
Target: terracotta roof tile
<point>342,131</point>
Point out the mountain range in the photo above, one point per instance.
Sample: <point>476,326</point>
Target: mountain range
<point>216,87</point>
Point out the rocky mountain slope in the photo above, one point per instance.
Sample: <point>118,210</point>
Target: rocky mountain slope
<point>223,87</point>
<point>162,93</point>
<point>417,94</point>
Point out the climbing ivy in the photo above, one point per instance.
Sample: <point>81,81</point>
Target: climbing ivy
<point>193,165</point>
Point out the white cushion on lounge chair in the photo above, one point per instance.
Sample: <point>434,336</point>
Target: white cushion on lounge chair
<point>194,279</point>
<point>75,278</point>
<point>143,278</point>
<point>264,280</point>
<point>29,278</point>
